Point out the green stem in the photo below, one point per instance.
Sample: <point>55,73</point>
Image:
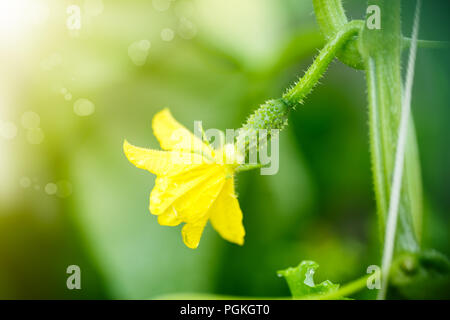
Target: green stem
<point>303,87</point>
<point>330,16</point>
<point>399,161</point>
<point>273,114</point>
<point>344,291</point>
<point>381,50</point>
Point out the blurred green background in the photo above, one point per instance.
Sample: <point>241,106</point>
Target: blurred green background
<point>209,60</point>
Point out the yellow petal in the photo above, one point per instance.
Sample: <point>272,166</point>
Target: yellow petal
<point>192,232</point>
<point>169,189</point>
<point>169,218</point>
<point>162,162</point>
<point>174,136</point>
<point>193,207</point>
<point>195,204</point>
<point>226,215</point>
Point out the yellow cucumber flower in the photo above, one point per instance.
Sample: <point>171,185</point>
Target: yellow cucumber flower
<point>193,183</point>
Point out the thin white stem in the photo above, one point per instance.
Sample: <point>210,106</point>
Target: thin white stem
<point>391,225</point>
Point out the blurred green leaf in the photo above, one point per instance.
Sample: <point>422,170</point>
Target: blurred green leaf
<point>425,275</point>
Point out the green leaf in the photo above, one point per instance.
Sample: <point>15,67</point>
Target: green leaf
<point>301,280</point>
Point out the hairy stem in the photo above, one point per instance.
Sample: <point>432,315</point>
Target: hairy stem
<point>381,50</point>
<point>331,18</point>
<point>273,113</point>
<point>399,162</point>
<point>306,83</point>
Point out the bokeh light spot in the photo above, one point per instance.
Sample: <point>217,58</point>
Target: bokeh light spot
<point>30,120</point>
<point>83,107</point>
<point>186,29</point>
<point>8,130</point>
<point>167,34</point>
<point>161,5</point>
<point>51,188</point>
<point>138,52</point>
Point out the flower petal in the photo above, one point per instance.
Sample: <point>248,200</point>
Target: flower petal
<point>174,136</point>
<point>169,218</point>
<point>162,162</point>
<point>168,189</point>
<point>195,204</point>
<point>192,232</point>
<point>226,215</point>
<point>193,207</point>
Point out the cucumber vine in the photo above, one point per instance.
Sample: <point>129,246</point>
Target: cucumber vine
<point>393,147</point>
